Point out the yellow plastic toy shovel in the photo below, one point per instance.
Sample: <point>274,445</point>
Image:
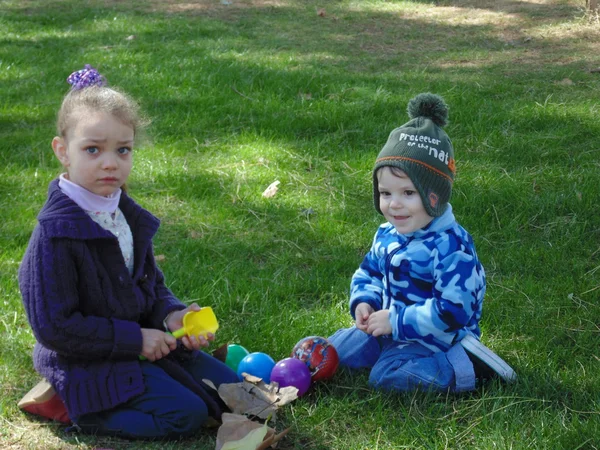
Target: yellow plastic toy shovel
<point>198,323</point>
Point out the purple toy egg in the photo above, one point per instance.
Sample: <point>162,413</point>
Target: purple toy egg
<point>292,372</point>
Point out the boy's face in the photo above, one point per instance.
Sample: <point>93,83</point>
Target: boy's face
<point>400,201</point>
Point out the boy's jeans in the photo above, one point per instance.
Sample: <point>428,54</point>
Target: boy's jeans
<point>404,366</point>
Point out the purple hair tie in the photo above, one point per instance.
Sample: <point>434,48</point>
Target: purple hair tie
<point>85,78</point>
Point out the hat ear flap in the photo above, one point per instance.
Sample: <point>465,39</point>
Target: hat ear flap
<point>376,191</point>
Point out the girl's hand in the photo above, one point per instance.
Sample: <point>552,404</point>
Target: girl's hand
<point>175,321</point>
<point>362,313</point>
<point>156,344</point>
<point>379,323</point>
<point>197,342</point>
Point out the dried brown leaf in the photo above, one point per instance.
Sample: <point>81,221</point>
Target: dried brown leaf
<point>565,82</point>
<point>220,353</point>
<point>254,397</point>
<point>271,439</point>
<point>271,190</point>
<point>236,427</point>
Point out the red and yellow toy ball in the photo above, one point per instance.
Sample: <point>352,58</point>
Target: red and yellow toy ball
<point>319,355</point>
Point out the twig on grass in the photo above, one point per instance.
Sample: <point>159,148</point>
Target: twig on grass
<point>13,425</point>
<point>239,93</point>
<point>590,290</point>
<point>477,421</point>
<point>512,290</point>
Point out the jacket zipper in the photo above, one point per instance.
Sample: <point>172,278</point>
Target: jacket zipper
<point>388,262</point>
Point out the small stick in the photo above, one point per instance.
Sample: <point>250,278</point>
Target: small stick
<point>239,93</point>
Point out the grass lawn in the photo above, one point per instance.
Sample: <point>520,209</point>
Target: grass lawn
<point>245,92</point>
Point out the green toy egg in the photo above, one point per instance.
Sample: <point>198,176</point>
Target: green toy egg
<point>235,353</point>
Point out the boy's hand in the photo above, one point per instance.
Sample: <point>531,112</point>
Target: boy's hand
<point>362,313</point>
<point>156,344</point>
<point>379,323</point>
<point>175,322</point>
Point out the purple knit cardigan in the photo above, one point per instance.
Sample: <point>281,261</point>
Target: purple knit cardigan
<point>85,309</point>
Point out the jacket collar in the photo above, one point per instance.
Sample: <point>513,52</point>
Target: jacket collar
<point>441,223</point>
<point>61,217</point>
<point>437,225</point>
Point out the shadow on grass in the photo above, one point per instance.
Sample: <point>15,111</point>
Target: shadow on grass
<point>222,89</point>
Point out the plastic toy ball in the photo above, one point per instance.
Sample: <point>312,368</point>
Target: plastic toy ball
<point>235,353</point>
<point>292,372</point>
<point>319,355</point>
<point>258,364</point>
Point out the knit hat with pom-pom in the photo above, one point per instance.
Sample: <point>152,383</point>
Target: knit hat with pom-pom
<point>423,151</point>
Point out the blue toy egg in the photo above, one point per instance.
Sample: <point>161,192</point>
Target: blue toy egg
<point>258,364</point>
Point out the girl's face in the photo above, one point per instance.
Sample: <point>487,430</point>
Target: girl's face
<point>96,151</point>
<point>400,202</point>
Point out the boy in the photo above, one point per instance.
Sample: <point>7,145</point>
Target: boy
<point>417,295</point>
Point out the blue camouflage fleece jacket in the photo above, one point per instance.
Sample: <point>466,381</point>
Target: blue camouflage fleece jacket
<point>430,280</point>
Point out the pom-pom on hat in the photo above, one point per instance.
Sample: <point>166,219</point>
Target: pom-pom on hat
<point>422,149</point>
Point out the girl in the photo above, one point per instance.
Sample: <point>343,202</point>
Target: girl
<point>93,294</point>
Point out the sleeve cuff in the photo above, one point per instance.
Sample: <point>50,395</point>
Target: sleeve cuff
<point>396,318</point>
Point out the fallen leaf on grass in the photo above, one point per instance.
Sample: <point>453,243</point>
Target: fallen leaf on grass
<point>321,12</point>
<point>240,433</point>
<point>254,397</point>
<point>272,439</point>
<point>160,258</point>
<point>271,190</point>
<point>196,234</point>
<point>565,82</point>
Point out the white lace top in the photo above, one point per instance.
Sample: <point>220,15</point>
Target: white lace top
<point>117,225</point>
<point>105,212</point>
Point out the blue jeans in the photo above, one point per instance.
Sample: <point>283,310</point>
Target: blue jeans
<point>404,366</point>
<point>166,409</point>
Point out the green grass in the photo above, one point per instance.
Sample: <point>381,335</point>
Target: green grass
<point>250,92</point>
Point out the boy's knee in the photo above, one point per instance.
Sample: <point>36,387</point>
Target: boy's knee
<point>406,382</point>
<point>355,348</point>
<point>409,376</point>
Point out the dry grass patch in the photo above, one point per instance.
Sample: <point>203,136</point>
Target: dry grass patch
<point>536,32</point>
